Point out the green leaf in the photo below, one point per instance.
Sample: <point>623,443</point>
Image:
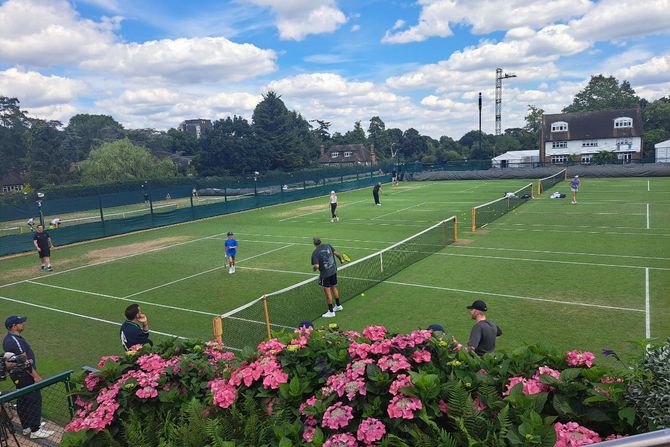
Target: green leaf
<point>628,415</point>
<point>285,442</point>
<point>562,406</point>
<point>570,374</point>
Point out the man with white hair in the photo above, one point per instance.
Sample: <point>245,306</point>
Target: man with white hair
<point>574,187</point>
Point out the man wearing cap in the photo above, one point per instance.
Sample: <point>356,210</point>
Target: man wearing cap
<point>135,330</point>
<point>333,207</point>
<point>28,406</point>
<point>323,259</point>
<point>375,193</point>
<point>574,187</point>
<point>43,245</point>
<point>484,332</point>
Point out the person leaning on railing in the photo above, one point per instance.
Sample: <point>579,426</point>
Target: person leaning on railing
<point>28,406</point>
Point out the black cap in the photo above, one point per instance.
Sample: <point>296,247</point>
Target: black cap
<point>230,233</point>
<point>316,240</point>
<point>10,322</point>
<point>478,305</point>
<point>436,328</point>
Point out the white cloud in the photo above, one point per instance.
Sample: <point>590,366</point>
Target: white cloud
<point>485,16</point>
<point>36,90</point>
<point>654,71</point>
<point>355,28</point>
<point>57,112</point>
<point>186,60</point>
<point>49,32</point>
<point>296,19</point>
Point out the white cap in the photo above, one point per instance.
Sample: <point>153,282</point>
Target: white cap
<point>332,192</point>
<point>576,176</point>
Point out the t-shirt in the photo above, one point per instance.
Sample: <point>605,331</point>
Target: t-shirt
<point>132,334</point>
<point>18,345</point>
<point>574,183</point>
<point>333,199</point>
<point>42,239</point>
<point>376,188</point>
<point>483,337</point>
<point>324,256</point>
<point>231,246</point>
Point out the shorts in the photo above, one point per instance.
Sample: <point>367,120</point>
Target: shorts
<point>231,254</point>
<point>574,189</point>
<point>330,281</point>
<point>45,253</point>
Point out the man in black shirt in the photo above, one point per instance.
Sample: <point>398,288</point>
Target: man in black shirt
<point>375,193</point>
<point>323,259</point>
<point>43,245</point>
<point>135,330</point>
<point>484,332</point>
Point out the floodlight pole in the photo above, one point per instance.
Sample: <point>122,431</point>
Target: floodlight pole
<point>480,122</point>
<point>39,207</point>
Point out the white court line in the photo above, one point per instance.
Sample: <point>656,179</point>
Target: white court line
<point>475,292</point>
<point>103,295</point>
<point>647,309</point>
<point>203,273</point>
<point>106,261</point>
<point>602,227</point>
<point>100,320</point>
<point>647,216</point>
<point>648,186</point>
<point>581,232</point>
<point>321,210</point>
<point>398,211</point>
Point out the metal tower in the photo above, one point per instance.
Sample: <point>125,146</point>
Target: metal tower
<point>499,77</point>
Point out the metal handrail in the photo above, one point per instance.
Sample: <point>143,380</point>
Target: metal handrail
<point>658,438</point>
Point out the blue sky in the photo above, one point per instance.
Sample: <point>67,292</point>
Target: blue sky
<point>413,63</point>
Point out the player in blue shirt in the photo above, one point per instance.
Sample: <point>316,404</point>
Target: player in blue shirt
<point>231,251</point>
<point>574,187</point>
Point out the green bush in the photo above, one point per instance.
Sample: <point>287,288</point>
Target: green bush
<point>649,392</point>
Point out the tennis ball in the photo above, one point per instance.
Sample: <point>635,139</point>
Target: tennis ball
<point>362,294</point>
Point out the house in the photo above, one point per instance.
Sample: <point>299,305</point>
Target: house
<point>197,127</point>
<point>348,154</point>
<point>662,151</point>
<point>583,134</point>
<point>516,159</point>
<point>11,183</point>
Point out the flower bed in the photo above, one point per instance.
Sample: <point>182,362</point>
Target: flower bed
<point>330,388</point>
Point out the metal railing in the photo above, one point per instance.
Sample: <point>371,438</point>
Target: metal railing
<point>657,438</point>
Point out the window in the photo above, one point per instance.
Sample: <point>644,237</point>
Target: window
<point>10,188</point>
<point>590,143</point>
<point>347,154</point>
<point>334,154</point>
<point>624,143</point>
<point>623,121</point>
<point>559,159</point>
<point>625,157</point>
<point>586,159</point>
<point>559,126</point>
<point>559,144</point>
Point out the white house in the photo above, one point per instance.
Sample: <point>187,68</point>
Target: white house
<point>516,159</point>
<point>662,151</point>
<point>583,134</point>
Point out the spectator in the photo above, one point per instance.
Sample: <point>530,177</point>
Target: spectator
<point>135,330</point>
<point>484,332</point>
<point>43,245</point>
<point>28,406</point>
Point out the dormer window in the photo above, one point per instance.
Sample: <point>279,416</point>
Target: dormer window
<point>347,154</point>
<point>559,126</point>
<point>334,154</point>
<point>623,121</point>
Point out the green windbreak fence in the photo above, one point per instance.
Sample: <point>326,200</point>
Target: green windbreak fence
<point>107,215</point>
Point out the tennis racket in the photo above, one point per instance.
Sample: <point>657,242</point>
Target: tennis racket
<point>345,257</point>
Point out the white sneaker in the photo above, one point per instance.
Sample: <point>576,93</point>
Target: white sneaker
<point>337,219</point>
<point>233,269</point>
<point>332,220</point>
<point>338,308</point>
<point>41,433</point>
<point>328,314</point>
<point>26,431</point>
<point>379,204</point>
<point>230,270</point>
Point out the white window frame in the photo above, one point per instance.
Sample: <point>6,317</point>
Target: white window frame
<point>347,154</point>
<point>334,154</point>
<point>586,159</point>
<point>559,126</point>
<point>623,122</point>
<point>559,159</point>
<point>589,143</point>
<point>625,156</point>
<point>624,141</point>
<point>560,144</point>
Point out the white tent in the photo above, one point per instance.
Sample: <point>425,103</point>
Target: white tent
<point>516,159</point>
<point>662,151</point>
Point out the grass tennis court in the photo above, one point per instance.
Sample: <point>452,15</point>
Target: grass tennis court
<point>589,276</point>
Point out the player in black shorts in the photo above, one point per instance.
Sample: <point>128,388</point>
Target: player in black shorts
<point>323,259</point>
<point>43,244</point>
<point>375,193</point>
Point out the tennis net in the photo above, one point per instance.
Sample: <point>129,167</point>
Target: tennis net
<point>483,215</point>
<point>545,183</point>
<point>253,322</point>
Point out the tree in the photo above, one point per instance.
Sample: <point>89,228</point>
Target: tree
<point>322,133</point>
<point>228,148</point>
<point>355,136</point>
<point>154,140</point>
<point>84,132</point>
<point>602,157</point>
<point>45,156</point>
<point>413,145</point>
<point>377,136</point>
<point>13,135</point>
<point>534,120</point>
<point>656,114</point>
<point>122,160</point>
<point>604,93</point>
<point>185,142</point>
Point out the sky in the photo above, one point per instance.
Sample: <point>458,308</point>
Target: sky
<point>420,64</point>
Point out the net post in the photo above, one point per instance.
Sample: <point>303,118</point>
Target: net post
<point>217,329</point>
<point>565,174</point>
<point>267,316</point>
<point>474,220</point>
<point>444,230</point>
<point>381,261</point>
<point>532,190</point>
<point>455,228</point>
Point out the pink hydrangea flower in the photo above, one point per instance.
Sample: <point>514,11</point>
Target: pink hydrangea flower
<point>354,387</point>
<point>337,416</point>
<point>357,368</point>
<point>308,403</point>
<point>530,386</point>
<point>402,406</point>
<point>479,405</point>
<point>91,381</point>
<point>394,363</point>
<point>341,440</point>
<point>548,371</point>
<point>381,347</point>
<point>370,430</point>
<point>614,436</point>
<point>271,346</point>
<point>374,333</point>
<point>224,393</point>
<point>104,358</point>
<point>402,381</point>
<point>308,433</point>
<point>421,356</point>
<point>359,350</point>
<point>572,434</point>
<point>577,358</point>
<point>147,392</point>
<point>444,408</point>
<point>606,379</point>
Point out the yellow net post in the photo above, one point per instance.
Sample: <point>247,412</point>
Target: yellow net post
<point>455,228</point>
<point>217,329</point>
<point>532,190</point>
<point>474,220</point>
<point>267,316</point>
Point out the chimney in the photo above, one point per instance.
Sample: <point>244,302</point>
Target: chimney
<point>323,150</point>
<point>373,155</point>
